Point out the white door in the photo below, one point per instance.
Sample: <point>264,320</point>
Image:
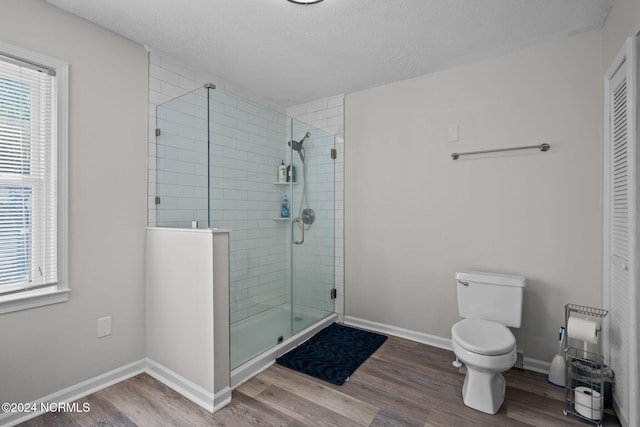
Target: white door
<point>620,228</point>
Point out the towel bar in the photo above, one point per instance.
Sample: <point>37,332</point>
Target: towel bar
<point>541,147</point>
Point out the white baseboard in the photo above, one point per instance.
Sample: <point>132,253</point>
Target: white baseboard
<point>76,392</point>
<point>187,388</point>
<point>432,340</point>
<point>221,399</point>
<point>622,415</point>
<point>169,378</point>
<point>536,365</point>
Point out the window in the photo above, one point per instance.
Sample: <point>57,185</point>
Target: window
<point>33,142</point>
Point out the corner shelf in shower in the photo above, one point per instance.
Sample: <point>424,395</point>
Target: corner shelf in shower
<point>284,183</point>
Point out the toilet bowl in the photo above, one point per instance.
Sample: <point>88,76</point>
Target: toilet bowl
<point>488,303</point>
<point>487,349</point>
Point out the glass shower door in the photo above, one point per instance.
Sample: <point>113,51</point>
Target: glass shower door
<point>312,225</point>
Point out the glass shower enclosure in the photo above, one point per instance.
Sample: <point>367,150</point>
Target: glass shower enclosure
<point>217,166</point>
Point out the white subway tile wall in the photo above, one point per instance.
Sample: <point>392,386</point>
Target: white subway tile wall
<point>248,143</point>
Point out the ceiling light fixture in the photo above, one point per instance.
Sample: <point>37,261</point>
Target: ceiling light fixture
<point>305,2</point>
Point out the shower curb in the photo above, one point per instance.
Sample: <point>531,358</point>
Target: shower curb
<point>252,368</point>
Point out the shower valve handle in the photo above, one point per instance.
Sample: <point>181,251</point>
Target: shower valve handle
<point>299,221</point>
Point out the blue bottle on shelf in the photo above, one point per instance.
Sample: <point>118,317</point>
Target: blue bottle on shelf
<point>285,208</point>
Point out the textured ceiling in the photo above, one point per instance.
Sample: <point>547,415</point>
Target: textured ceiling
<point>289,54</point>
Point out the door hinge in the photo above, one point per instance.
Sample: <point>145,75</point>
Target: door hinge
<point>158,132</point>
<point>334,293</point>
<point>334,153</point>
<point>157,200</point>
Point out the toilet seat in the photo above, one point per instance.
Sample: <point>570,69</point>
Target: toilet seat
<point>483,337</point>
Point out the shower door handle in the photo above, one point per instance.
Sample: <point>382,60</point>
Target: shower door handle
<point>299,221</point>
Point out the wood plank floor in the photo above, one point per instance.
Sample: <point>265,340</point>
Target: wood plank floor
<point>403,384</point>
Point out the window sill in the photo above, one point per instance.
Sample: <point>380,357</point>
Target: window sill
<point>32,299</point>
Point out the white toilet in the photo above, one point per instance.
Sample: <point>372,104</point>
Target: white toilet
<point>489,302</point>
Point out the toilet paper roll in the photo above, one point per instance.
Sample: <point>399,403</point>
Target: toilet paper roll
<point>588,403</point>
<point>582,329</point>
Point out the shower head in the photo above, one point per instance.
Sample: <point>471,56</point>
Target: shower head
<point>297,146</point>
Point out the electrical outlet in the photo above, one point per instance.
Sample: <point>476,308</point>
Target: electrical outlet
<point>104,326</point>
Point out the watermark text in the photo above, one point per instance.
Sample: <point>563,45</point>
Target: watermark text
<point>46,407</point>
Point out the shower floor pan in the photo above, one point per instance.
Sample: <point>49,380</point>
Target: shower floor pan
<point>248,339</point>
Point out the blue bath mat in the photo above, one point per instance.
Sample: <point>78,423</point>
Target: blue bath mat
<point>333,354</point>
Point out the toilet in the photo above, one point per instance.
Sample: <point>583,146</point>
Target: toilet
<point>489,304</point>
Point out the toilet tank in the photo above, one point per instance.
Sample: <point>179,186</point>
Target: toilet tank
<point>490,296</point>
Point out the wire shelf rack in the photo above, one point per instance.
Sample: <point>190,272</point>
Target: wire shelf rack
<point>589,311</point>
<point>584,370</point>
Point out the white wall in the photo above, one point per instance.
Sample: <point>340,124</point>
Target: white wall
<point>623,22</point>
<point>413,216</point>
<point>188,325</point>
<point>49,348</point>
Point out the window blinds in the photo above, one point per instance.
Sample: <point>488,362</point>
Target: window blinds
<point>28,172</point>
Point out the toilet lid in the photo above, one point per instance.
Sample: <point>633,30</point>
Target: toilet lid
<point>483,337</point>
